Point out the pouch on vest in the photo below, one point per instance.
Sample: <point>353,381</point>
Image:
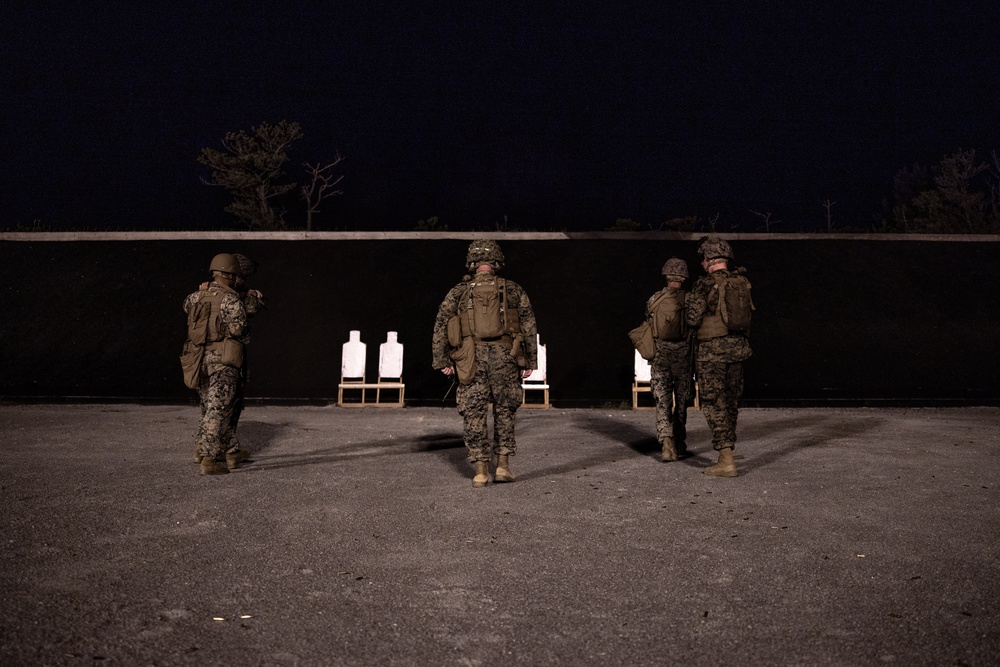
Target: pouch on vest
<point>455,331</point>
<point>465,361</point>
<point>232,353</point>
<point>191,356</point>
<point>642,338</point>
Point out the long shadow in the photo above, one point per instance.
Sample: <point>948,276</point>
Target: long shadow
<point>451,446</point>
<point>822,432</point>
<point>636,438</point>
<point>632,437</point>
<point>255,436</point>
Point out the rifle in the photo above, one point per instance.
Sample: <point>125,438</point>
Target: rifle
<point>453,385</point>
<point>692,355</point>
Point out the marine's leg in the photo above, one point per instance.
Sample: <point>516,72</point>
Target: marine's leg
<point>712,385</point>
<point>683,384</point>
<point>715,397</point>
<point>734,391</point>
<point>473,401</point>
<point>214,431</point>
<point>661,383</point>
<point>505,385</point>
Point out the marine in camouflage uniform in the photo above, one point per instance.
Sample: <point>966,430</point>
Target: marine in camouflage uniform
<point>719,360</point>
<point>500,365</point>
<point>219,382</point>
<point>670,370</point>
<point>253,303</point>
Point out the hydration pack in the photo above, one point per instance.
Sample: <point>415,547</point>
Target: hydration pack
<point>484,313</point>
<point>735,302</point>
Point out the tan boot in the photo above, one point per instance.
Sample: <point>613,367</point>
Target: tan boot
<point>197,456</point>
<point>233,458</point>
<point>503,470</point>
<point>212,467</point>
<point>482,474</point>
<point>669,453</point>
<point>726,467</point>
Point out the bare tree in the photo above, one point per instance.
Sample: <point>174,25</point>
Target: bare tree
<point>766,217</point>
<point>828,205</point>
<point>322,184</point>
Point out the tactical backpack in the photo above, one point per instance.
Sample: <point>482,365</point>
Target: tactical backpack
<point>666,313</point>
<point>203,328</point>
<point>484,313</point>
<point>735,302</point>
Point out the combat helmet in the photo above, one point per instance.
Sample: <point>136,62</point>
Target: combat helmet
<point>248,267</point>
<point>226,263</point>
<point>712,247</point>
<point>484,251</point>
<point>676,268</point>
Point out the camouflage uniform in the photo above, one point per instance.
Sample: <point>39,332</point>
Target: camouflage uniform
<point>718,365</point>
<point>219,383</point>
<point>670,380</point>
<point>497,374</point>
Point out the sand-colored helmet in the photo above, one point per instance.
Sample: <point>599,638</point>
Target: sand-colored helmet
<point>226,263</point>
<point>484,251</point>
<point>676,268</point>
<point>712,247</point>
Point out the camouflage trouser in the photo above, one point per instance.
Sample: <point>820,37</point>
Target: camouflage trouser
<point>232,442</point>
<point>720,386</point>
<point>497,380</point>
<point>218,394</point>
<point>670,380</point>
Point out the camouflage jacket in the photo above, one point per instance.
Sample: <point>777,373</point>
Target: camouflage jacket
<point>703,300</point>
<point>516,298</point>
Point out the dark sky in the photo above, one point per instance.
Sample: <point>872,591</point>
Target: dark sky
<point>563,115</point>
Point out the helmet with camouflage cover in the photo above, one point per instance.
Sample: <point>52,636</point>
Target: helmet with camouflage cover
<point>676,268</point>
<point>484,251</point>
<point>226,263</point>
<point>712,247</point>
<point>248,267</point>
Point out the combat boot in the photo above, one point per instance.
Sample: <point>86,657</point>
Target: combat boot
<point>669,452</point>
<point>503,470</point>
<point>197,456</point>
<point>681,447</point>
<point>482,474</point>
<point>210,466</point>
<point>726,467</point>
<point>233,458</point>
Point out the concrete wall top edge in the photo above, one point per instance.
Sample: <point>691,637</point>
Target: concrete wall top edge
<point>510,236</point>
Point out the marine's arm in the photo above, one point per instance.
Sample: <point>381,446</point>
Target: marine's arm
<point>529,327</point>
<point>440,358</point>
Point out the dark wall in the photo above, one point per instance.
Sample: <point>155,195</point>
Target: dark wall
<point>852,319</point>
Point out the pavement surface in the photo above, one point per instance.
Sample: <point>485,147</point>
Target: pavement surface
<point>355,537</point>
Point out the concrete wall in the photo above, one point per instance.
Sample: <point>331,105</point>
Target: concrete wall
<point>860,318</point>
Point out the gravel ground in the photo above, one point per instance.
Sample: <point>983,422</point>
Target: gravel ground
<point>355,537</point>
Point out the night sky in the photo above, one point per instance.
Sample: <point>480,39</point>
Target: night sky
<point>532,115</point>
